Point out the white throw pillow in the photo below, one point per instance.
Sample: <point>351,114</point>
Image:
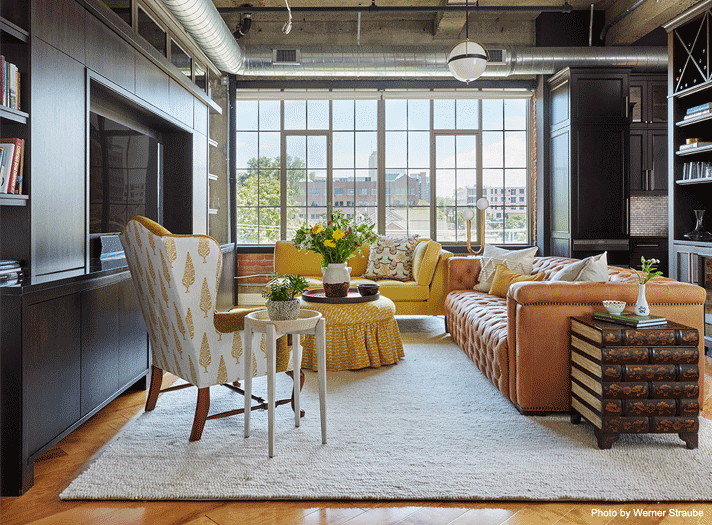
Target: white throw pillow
<point>520,261</point>
<point>591,269</point>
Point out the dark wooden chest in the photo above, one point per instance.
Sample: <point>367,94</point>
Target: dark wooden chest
<point>632,380</point>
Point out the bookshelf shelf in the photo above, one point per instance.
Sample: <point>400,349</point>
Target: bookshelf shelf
<point>8,28</point>
<point>694,120</point>
<point>701,180</point>
<point>13,200</point>
<point>14,114</point>
<point>692,151</point>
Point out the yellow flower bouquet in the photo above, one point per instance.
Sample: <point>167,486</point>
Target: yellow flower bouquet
<point>337,241</point>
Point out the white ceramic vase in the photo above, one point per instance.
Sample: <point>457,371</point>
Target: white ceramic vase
<point>641,304</point>
<point>336,278</point>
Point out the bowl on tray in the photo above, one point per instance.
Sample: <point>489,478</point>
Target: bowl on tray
<point>367,289</point>
<point>614,307</point>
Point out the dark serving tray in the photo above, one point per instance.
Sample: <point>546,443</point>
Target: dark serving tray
<point>318,296</point>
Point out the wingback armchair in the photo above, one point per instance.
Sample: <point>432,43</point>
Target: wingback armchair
<point>176,279</point>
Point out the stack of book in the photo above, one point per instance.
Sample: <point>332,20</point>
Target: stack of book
<point>9,84</point>
<point>11,163</point>
<point>698,111</point>
<point>630,319</point>
<point>10,271</point>
<point>693,145</point>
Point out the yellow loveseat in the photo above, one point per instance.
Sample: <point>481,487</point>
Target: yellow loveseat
<point>423,296</point>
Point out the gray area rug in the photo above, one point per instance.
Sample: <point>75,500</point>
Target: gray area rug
<point>430,427</point>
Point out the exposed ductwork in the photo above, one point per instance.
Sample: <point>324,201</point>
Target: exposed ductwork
<point>414,62</point>
<point>201,20</point>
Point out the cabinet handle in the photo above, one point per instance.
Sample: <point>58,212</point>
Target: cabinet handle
<point>651,245</point>
<point>650,179</point>
<point>626,106</point>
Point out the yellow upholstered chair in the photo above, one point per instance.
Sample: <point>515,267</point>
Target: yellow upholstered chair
<point>176,279</point>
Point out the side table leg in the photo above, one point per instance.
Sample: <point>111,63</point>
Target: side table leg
<point>575,417</point>
<point>271,336</point>
<point>247,374</point>
<point>690,439</point>
<point>605,440</point>
<point>321,363</point>
<point>297,361</point>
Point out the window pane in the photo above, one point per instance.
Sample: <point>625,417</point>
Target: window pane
<point>419,221</point>
<point>420,181</point>
<point>246,225</point>
<point>318,114</point>
<point>121,8</point>
<point>494,225</point>
<point>492,179</point>
<point>445,151</point>
<point>397,221</point>
<point>201,76</point>
<point>300,193</point>
<point>492,149</point>
<point>468,114</point>
<point>466,185</point>
<point>444,114</point>
<point>342,114</point>
<point>418,114</point>
<point>247,115</point>
<point>269,115</point>
<point>515,113</point>
<point>445,188</point>
<point>446,217</point>
<point>366,115</point>
<point>493,114</point>
<point>396,115</point>
<point>269,150</point>
<point>316,153</point>
<point>343,153</point>
<point>181,60</point>
<point>395,149</point>
<point>296,217</point>
<point>419,149</point>
<point>515,148</point>
<point>297,150</point>
<point>269,225</point>
<point>295,114</point>
<point>246,190</point>
<point>467,151</point>
<point>366,145</point>
<point>149,30</point>
<point>246,149</point>
<point>268,191</point>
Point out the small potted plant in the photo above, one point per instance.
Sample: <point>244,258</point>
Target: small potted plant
<point>281,292</point>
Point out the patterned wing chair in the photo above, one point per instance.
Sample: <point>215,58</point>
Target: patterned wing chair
<point>176,279</point>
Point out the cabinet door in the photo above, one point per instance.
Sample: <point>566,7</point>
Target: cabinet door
<point>657,104</point>
<point>638,160</point>
<point>133,339</point>
<point>601,97</point>
<point>100,355</point>
<point>635,102</point>
<point>658,160</point>
<point>600,182</point>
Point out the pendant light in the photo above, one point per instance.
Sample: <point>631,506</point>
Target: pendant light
<point>467,60</point>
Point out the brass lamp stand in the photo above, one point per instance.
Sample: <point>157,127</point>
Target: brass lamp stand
<point>482,204</point>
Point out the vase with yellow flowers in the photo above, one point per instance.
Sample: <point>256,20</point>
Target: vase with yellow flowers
<point>336,241</point>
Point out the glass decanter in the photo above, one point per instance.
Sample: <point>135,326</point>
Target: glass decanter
<point>699,234</point>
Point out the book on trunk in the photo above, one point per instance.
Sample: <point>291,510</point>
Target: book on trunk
<point>630,319</point>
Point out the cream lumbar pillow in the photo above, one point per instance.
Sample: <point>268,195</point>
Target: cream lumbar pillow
<point>591,269</point>
<point>521,261</point>
<point>391,258</point>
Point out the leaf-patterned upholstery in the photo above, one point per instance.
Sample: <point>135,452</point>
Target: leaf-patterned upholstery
<point>176,279</point>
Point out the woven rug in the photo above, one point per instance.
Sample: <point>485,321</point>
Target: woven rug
<point>429,427</point>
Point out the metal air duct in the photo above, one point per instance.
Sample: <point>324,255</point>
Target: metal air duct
<point>415,62</point>
<point>201,20</point>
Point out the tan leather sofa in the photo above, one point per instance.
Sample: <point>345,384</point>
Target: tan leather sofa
<point>521,342</point>
<point>425,295</point>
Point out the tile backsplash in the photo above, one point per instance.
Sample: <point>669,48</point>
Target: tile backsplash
<point>648,216</point>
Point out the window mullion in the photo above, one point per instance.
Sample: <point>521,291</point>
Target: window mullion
<point>381,133</point>
<point>282,176</point>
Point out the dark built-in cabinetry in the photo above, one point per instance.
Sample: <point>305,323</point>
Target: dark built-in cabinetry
<point>588,145</point>
<point>648,172</point>
<point>72,333</point>
<point>690,185</point>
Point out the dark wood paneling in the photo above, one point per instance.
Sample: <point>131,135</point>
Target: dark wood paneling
<point>61,24</point>
<point>57,159</point>
<point>600,97</point>
<point>638,160</point>
<point>100,352</point>
<point>658,161</point>
<point>181,105</point>
<point>133,339</point>
<point>152,85</point>
<point>51,371</point>
<point>178,182</point>
<point>109,55</point>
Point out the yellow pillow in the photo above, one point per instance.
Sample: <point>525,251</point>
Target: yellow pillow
<point>503,277</point>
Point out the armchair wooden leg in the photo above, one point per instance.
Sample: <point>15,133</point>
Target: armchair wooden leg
<point>155,389</point>
<point>201,413</point>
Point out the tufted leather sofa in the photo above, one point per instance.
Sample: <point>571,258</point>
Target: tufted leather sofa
<point>521,342</point>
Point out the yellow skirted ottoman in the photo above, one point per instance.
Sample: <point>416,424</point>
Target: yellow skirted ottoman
<point>358,335</point>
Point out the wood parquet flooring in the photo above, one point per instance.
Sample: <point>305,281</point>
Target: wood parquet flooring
<point>41,504</point>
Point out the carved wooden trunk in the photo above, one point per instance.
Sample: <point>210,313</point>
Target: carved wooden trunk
<point>628,380</point>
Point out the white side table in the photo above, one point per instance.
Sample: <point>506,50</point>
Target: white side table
<point>309,322</point>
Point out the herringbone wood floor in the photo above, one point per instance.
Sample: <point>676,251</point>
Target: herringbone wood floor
<point>56,469</point>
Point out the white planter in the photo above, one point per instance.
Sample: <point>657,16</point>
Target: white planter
<point>641,304</point>
<point>336,279</point>
<point>283,310</point>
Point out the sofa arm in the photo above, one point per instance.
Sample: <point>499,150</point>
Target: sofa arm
<point>538,323</point>
<point>463,272</point>
<point>438,286</point>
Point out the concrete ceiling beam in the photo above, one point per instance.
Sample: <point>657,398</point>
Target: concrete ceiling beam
<point>644,19</point>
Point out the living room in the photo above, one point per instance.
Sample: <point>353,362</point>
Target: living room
<point>577,129</point>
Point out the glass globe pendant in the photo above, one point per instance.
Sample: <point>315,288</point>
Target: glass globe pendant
<point>468,59</point>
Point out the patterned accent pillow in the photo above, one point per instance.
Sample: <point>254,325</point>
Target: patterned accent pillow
<point>391,258</point>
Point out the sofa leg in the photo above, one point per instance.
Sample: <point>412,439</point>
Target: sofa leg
<point>447,328</point>
<point>529,412</point>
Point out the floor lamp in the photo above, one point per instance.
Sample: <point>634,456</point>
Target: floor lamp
<point>482,204</point>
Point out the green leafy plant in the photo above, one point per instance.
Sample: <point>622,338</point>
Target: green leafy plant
<point>285,288</point>
<point>648,270</point>
<point>337,241</point>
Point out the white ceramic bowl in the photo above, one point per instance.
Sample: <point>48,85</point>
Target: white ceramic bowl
<point>614,307</point>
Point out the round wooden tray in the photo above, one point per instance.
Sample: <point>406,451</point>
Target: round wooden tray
<point>307,319</point>
<point>318,296</point>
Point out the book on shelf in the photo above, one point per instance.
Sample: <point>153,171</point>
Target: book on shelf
<point>630,319</point>
<point>693,145</point>
<point>12,160</point>
<point>697,114</point>
<point>2,80</point>
<point>701,107</point>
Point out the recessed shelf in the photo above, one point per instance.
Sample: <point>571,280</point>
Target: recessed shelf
<point>694,120</point>
<point>14,114</point>
<point>16,31</point>
<point>692,151</point>
<point>701,180</point>
<point>13,200</point>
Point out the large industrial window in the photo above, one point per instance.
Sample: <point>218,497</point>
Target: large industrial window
<point>410,161</point>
